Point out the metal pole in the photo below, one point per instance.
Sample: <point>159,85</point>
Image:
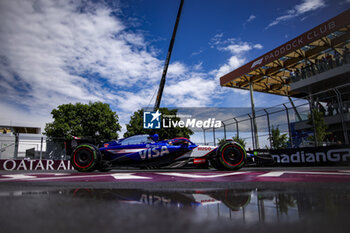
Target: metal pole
<point>289,130</point>
<point>251,127</point>
<point>16,145</point>
<point>236,127</point>
<point>313,119</point>
<point>295,109</point>
<point>204,136</point>
<point>224,130</point>
<point>340,107</point>
<point>41,148</point>
<point>268,126</point>
<point>255,128</point>
<point>165,70</point>
<point>214,136</point>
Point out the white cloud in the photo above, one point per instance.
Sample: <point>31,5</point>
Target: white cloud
<point>197,52</point>
<point>55,52</point>
<point>12,116</point>
<point>198,66</point>
<point>194,91</point>
<point>233,63</point>
<point>216,40</point>
<point>176,69</point>
<point>233,45</point>
<point>258,46</point>
<point>131,101</point>
<point>238,50</point>
<point>251,18</point>
<point>309,5</point>
<point>188,86</point>
<point>302,8</point>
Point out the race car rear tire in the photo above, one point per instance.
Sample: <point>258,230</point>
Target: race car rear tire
<point>85,158</point>
<point>231,156</point>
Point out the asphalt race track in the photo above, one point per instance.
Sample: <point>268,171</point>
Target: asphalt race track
<point>307,199</point>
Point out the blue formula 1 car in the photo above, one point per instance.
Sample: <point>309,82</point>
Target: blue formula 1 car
<point>145,151</point>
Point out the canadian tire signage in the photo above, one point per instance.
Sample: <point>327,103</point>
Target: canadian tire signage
<point>34,165</point>
<point>331,155</point>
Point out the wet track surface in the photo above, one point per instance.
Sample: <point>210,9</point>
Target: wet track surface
<point>249,200</point>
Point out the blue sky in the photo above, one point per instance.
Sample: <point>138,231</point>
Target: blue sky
<point>57,52</point>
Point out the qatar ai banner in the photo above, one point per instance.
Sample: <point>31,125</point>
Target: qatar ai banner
<point>34,165</point>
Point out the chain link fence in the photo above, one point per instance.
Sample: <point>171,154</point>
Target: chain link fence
<point>301,120</point>
<point>14,146</point>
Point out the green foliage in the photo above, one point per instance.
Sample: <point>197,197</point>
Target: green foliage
<point>278,141</point>
<point>320,126</point>
<point>241,141</point>
<point>221,141</point>
<point>135,126</point>
<point>95,120</point>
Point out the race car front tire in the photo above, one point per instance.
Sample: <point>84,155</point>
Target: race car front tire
<point>230,156</point>
<point>85,158</point>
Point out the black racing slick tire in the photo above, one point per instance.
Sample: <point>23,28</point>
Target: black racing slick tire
<point>231,156</point>
<point>85,158</point>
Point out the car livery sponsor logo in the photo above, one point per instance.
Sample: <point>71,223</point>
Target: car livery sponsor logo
<point>205,148</point>
<point>151,120</point>
<point>153,153</point>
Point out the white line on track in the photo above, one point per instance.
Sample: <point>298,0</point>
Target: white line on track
<point>280,173</point>
<point>116,176</point>
<point>186,175</point>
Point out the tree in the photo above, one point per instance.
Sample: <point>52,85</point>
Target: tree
<point>93,120</point>
<point>319,124</point>
<point>240,141</point>
<point>221,141</point>
<point>278,141</point>
<point>135,126</point>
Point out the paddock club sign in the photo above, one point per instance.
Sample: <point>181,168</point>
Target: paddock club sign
<point>34,165</point>
<point>314,34</point>
<point>331,155</point>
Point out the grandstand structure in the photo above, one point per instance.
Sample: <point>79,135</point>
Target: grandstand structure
<point>314,66</point>
<point>10,146</point>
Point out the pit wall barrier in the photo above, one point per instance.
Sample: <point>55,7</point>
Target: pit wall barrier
<point>34,165</point>
<point>336,155</point>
